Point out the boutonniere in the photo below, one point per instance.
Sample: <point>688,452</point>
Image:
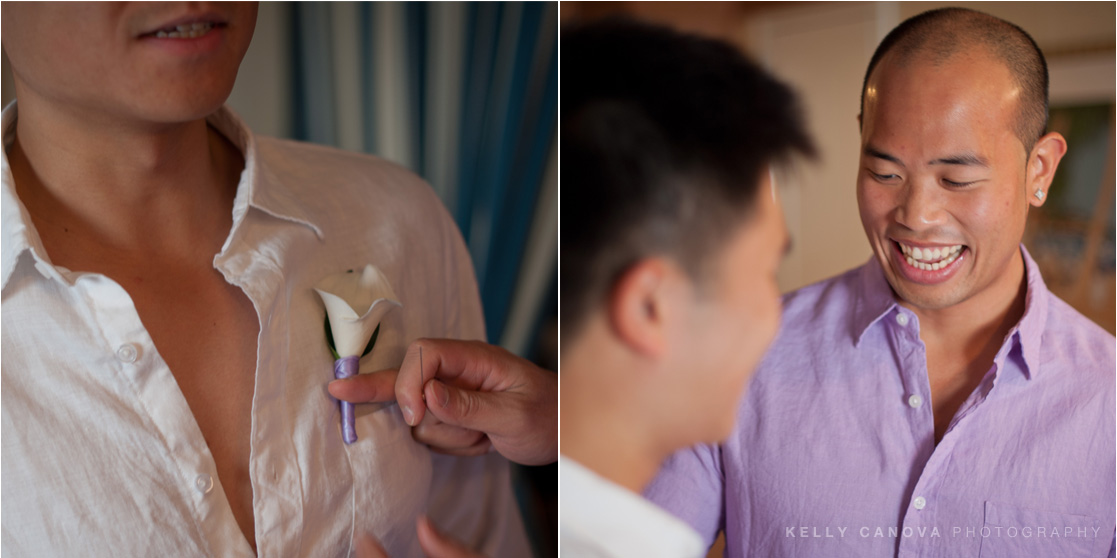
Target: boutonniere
<point>355,302</point>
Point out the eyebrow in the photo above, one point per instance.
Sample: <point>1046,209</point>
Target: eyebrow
<point>966,159</point>
<point>878,154</point>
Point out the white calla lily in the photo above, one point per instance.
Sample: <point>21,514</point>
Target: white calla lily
<point>355,302</point>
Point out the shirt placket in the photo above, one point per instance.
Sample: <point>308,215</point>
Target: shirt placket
<point>918,516</point>
<point>276,484</point>
<point>157,393</point>
<point>920,533</point>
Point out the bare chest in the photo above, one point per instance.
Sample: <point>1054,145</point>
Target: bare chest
<point>953,377</point>
<point>206,331</point>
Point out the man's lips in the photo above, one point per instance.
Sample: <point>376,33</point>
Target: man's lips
<point>929,257</point>
<point>928,264</point>
<point>186,27</point>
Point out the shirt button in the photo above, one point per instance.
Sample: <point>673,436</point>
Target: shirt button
<point>204,483</point>
<point>902,318</point>
<point>915,401</point>
<point>127,352</point>
<point>919,502</point>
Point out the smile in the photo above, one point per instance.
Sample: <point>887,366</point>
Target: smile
<point>930,259</point>
<point>185,31</point>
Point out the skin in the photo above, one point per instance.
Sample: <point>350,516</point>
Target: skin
<point>434,543</point>
<point>121,176</point>
<point>941,166</point>
<point>664,347</point>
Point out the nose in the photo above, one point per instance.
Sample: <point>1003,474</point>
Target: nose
<point>920,206</point>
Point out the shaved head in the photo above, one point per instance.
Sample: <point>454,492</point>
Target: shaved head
<point>937,36</point>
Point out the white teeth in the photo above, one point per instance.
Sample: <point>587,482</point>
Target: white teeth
<point>186,31</point>
<point>940,258</point>
<point>931,255</point>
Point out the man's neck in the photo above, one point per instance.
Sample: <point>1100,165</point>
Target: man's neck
<point>141,188</point>
<point>603,427</point>
<point>977,323</point>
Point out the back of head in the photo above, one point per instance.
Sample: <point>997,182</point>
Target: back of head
<point>664,140</point>
<point>939,35</point>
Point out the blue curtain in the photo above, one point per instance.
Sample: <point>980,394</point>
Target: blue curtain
<point>466,95</point>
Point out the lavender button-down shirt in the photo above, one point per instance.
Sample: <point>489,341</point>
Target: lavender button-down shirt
<point>834,452</point>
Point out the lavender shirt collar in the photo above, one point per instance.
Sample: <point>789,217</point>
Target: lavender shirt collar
<point>875,300</point>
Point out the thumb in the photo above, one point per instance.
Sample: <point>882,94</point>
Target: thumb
<point>368,547</point>
<point>437,545</point>
<point>475,410</point>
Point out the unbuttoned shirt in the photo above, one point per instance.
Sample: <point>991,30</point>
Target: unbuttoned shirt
<point>101,454</point>
<point>834,450</point>
<point>601,519</point>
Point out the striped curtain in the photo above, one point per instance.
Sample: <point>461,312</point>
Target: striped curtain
<point>465,95</point>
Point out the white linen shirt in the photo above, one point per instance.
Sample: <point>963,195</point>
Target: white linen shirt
<point>101,454</point>
<point>601,519</point>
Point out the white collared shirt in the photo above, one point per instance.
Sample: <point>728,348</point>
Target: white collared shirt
<point>602,519</point>
<point>101,454</point>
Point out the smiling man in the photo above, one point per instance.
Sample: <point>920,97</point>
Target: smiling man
<point>164,357</point>
<point>939,400</point>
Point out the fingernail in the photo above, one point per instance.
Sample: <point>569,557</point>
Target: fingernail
<point>441,394</point>
<point>408,416</point>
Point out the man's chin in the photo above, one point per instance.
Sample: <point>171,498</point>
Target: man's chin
<point>926,297</point>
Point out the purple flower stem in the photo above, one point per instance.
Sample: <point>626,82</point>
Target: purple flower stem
<point>347,367</point>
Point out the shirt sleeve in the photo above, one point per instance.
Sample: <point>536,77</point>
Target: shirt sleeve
<point>691,486</point>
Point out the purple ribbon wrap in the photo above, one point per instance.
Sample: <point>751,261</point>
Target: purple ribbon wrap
<point>347,367</point>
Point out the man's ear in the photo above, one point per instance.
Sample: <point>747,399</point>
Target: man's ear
<point>1042,163</point>
<point>643,302</point>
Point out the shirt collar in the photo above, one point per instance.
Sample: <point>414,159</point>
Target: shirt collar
<point>600,515</point>
<point>258,188</point>
<point>17,234</point>
<point>874,300</point>
<point>1029,332</point>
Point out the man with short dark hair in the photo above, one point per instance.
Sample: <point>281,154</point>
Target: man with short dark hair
<point>670,242</point>
<point>938,400</point>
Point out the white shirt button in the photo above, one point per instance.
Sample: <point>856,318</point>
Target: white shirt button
<point>919,502</point>
<point>204,483</point>
<point>127,352</point>
<point>902,318</point>
<point>915,401</point>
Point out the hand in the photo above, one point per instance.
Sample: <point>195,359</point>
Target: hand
<point>434,543</point>
<point>479,396</point>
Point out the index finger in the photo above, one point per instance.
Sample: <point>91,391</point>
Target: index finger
<point>466,364</point>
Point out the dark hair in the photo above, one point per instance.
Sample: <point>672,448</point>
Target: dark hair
<point>664,137</point>
<point>942,33</point>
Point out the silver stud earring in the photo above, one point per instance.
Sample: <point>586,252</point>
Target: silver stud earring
<point>1039,195</point>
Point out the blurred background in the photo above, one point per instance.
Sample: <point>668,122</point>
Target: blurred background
<point>466,96</point>
<point>823,48</point>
